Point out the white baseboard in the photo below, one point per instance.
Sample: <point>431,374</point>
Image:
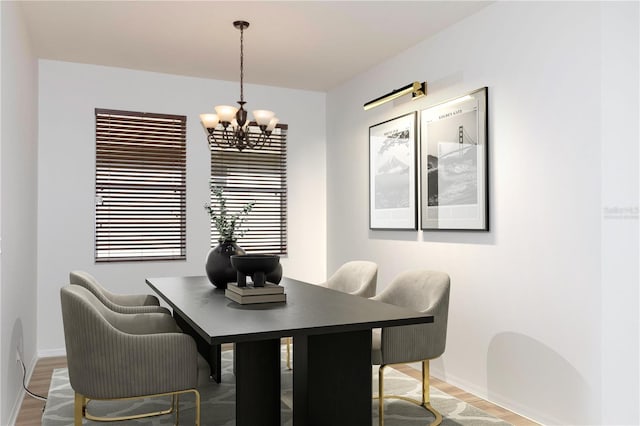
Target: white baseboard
<point>47,353</point>
<point>499,400</point>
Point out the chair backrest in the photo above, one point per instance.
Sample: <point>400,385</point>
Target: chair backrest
<point>87,336</point>
<point>123,303</point>
<point>357,277</point>
<point>425,291</point>
<point>89,282</point>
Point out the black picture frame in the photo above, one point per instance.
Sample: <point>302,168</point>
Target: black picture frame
<point>393,194</point>
<point>454,164</point>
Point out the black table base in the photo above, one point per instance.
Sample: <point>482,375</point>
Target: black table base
<point>258,383</point>
<point>332,379</point>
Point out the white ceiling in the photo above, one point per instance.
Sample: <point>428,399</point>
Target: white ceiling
<point>312,45</point>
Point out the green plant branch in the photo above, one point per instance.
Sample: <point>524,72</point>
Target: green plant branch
<point>228,225</point>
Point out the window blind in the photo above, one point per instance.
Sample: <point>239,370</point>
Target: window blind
<point>140,186</point>
<point>258,175</point>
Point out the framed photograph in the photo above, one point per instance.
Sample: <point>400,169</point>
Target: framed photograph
<point>392,174</point>
<point>454,163</point>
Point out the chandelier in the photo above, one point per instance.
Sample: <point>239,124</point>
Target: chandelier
<point>229,127</point>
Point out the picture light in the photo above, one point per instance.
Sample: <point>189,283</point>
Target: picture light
<point>416,89</point>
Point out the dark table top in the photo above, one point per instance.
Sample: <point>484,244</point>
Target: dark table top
<point>310,309</point>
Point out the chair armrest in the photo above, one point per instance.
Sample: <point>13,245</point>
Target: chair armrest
<point>410,343</point>
<point>139,309</point>
<point>134,299</point>
<point>407,343</point>
<point>151,323</point>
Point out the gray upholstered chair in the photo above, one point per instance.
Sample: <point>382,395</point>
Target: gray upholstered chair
<point>424,291</point>
<point>122,303</point>
<point>114,356</point>
<point>357,277</point>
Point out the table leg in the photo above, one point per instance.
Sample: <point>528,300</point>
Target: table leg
<point>258,383</point>
<point>332,379</point>
<point>212,353</point>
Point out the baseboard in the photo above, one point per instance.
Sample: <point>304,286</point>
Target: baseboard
<point>496,399</point>
<point>47,353</point>
<point>15,410</point>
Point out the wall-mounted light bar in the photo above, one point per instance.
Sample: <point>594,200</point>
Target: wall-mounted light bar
<point>416,89</point>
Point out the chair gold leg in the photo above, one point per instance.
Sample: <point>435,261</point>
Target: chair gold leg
<point>176,399</point>
<point>175,404</point>
<point>425,383</point>
<point>424,403</point>
<point>78,409</point>
<point>381,395</point>
<point>289,353</point>
<point>197,396</point>
<point>426,396</point>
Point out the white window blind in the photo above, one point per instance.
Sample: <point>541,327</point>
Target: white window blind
<point>258,175</point>
<point>140,186</point>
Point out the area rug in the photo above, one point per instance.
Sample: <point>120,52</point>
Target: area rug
<point>218,403</point>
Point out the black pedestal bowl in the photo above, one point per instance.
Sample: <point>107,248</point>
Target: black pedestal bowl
<point>257,266</point>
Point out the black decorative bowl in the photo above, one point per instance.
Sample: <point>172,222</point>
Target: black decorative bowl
<point>258,266</point>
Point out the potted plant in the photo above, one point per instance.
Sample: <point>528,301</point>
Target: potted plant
<point>230,227</point>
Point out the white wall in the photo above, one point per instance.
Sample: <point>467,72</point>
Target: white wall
<point>18,171</point>
<point>619,224</point>
<point>67,98</point>
<point>525,320</point>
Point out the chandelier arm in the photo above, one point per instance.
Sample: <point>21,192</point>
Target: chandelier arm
<point>262,139</point>
<point>249,142</point>
<point>267,140</point>
<point>229,140</point>
<point>212,139</point>
<point>259,142</point>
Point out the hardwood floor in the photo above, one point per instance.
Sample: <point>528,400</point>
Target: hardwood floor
<point>470,399</point>
<point>31,409</point>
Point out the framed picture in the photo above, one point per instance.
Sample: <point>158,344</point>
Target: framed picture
<point>392,174</point>
<point>454,163</point>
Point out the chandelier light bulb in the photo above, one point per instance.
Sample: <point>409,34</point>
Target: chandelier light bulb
<point>263,117</point>
<point>226,113</point>
<point>210,121</point>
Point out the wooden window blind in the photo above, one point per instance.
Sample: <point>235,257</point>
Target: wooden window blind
<point>258,175</point>
<point>140,186</point>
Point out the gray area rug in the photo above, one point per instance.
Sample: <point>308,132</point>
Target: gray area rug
<point>218,403</point>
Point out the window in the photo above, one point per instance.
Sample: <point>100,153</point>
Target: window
<point>261,176</point>
<point>140,186</point>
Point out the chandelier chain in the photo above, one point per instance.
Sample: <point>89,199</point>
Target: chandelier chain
<point>241,63</point>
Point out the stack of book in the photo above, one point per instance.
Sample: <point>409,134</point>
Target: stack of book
<point>246,295</point>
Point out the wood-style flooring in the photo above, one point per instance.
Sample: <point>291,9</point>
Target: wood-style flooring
<point>470,399</point>
<point>31,409</point>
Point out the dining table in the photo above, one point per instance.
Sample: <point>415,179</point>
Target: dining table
<point>331,333</point>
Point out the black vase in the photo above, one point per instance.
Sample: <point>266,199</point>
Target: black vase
<point>218,267</point>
